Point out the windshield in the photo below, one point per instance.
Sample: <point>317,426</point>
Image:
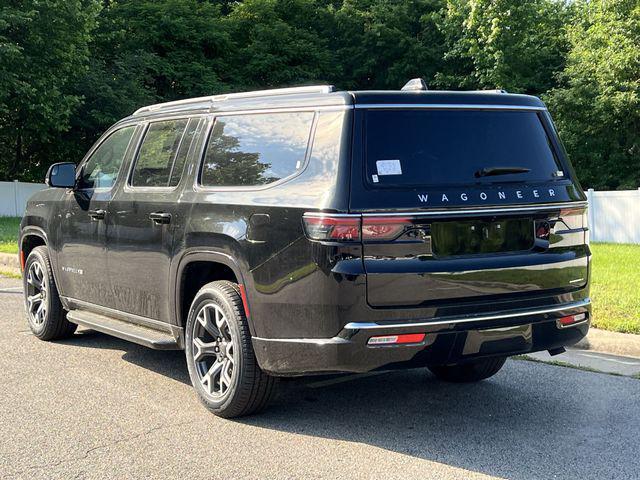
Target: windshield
<point>457,147</point>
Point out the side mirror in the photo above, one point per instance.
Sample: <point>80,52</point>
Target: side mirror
<point>61,175</point>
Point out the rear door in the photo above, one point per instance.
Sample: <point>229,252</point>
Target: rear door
<point>465,205</point>
<point>147,219</point>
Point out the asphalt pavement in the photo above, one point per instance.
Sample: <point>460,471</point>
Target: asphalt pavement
<point>98,407</point>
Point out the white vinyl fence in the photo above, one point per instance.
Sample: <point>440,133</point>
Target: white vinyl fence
<point>14,196</point>
<point>613,216</point>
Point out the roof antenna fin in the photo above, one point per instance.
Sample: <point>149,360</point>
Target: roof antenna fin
<point>415,84</point>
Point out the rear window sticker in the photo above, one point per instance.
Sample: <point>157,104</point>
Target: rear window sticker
<point>389,167</point>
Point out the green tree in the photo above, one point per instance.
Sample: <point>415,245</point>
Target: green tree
<point>512,44</point>
<point>71,68</point>
<point>280,43</point>
<point>145,52</point>
<point>43,52</point>
<point>597,107</point>
<point>179,44</point>
<point>384,43</point>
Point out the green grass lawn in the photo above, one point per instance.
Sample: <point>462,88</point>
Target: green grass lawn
<point>615,280</point>
<point>615,287</point>
<point>9,227</point>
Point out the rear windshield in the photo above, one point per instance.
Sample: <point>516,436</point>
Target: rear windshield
<point>457,147</point>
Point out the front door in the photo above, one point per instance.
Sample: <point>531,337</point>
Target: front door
<point>83,224</point>
<point>147,219</point>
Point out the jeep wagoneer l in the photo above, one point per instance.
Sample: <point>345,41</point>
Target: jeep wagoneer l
<point>306,230</point>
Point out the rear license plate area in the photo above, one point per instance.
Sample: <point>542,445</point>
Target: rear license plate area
<point>472,237</point>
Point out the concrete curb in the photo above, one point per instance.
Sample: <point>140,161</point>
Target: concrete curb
<point>9,261</point>
<point>625,344</point>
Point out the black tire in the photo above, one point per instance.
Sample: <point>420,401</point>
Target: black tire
<point>51,323</point>
<point>473,371</point>
<point>249,389</point>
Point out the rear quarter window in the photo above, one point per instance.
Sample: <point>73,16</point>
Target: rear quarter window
<point>416,148</point>
<point>255,149</point>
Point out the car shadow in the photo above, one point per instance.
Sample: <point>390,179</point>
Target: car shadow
<point>170,363</point>
<point>530,421</point>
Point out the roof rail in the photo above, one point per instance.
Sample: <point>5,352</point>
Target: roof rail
<point>229,96</point>
<point>495,90</point>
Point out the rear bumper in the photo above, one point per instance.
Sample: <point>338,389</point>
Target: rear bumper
<point>447,340</point>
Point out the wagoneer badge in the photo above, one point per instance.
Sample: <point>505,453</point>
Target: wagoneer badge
<point>498,195</point>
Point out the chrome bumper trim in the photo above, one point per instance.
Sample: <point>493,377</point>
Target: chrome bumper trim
<point>452,321</point>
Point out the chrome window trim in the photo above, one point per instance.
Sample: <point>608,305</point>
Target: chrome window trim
<point>448,106</point>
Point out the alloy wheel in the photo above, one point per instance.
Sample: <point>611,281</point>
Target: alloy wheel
<point>37,293</point>
<point>213,350</point>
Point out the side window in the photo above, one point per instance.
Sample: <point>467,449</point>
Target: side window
<point>258,149</point>
<point>102,167</point>
<point>161,157</point>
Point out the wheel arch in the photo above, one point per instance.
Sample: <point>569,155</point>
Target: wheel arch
<point>30,238</point>
<point>199,267</point>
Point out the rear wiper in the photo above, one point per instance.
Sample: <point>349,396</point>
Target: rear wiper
<point>490,171</point>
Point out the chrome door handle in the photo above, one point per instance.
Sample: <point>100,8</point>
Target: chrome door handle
<point>160,217</point>
<point>98,214</point>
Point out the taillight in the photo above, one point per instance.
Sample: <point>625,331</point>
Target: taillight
<point>352,228</point>
<point>384,228</point>
<point>336,228</point>
<point>574,218</point>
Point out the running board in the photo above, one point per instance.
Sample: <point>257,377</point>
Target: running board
<point>127,331</point>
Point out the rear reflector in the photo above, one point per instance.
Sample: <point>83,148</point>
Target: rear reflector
<point>571,319</point>
<point>243,297</point>
<point>396,339</point>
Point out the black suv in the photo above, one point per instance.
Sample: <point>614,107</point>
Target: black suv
<point>303,230</point>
